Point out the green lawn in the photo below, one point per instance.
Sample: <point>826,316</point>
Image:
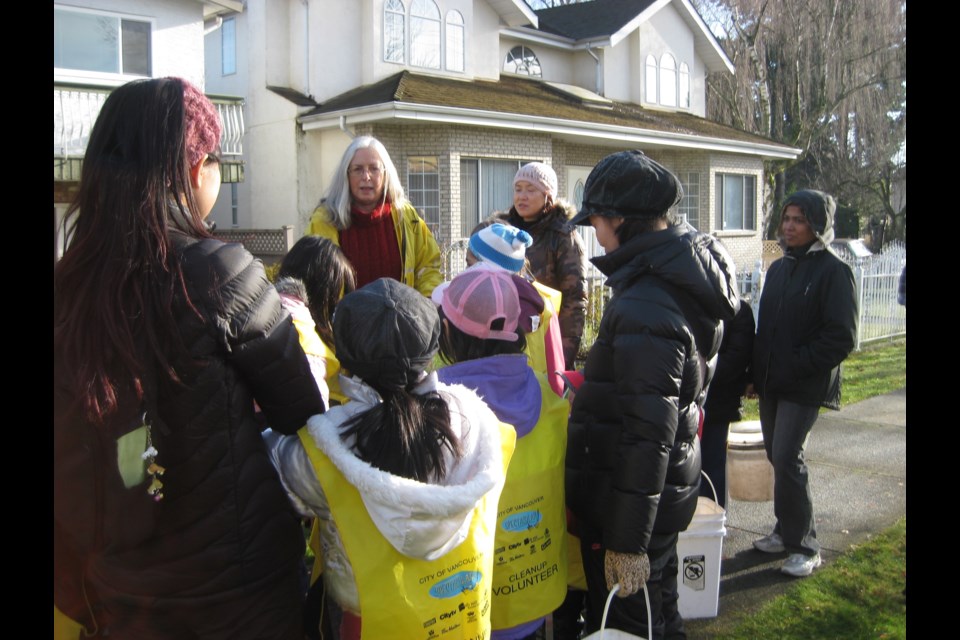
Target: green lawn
<point>876,369</point>
<point>860,595</point>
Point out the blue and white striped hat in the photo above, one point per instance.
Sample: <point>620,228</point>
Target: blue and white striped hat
<point>501,244</point>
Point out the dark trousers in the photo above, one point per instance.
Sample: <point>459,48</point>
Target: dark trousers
<point>786,427</point>
<point>630,614</point>
<point>713,458</point>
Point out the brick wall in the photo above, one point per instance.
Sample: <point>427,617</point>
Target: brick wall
<point>450,143</point>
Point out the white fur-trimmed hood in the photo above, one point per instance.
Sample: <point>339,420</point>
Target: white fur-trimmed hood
<point>420,520</point>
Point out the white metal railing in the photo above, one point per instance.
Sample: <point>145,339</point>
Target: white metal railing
<point>74,112</point>
<point>878,278</point>
<point>75,109</point>
<point>231,115</point>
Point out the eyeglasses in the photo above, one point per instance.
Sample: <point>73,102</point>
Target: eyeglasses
<point>358,171</point>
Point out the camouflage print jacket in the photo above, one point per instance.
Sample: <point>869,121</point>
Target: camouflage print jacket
<point>558,260</point>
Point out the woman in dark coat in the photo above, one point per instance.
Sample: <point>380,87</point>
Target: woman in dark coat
<point>633,462</point>
<point>169,520</point>
<point>557,257</point>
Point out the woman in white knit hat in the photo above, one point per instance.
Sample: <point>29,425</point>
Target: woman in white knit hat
<point>557,256</point>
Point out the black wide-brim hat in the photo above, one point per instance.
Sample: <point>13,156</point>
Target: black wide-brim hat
<point>628,184</point>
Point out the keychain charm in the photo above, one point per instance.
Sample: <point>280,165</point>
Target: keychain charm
<point>155,490</point>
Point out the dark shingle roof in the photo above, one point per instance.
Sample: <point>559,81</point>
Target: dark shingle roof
<point>526,97</point>
<point>595,19</point>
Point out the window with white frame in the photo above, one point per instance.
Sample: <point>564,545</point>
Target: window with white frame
<point>736,201</point>
<point>424,34</point>
<point>455,35</point>
<point>650,93</point>
<point>524,61</point>
<point>684,85</point>
<point>394,42</point>
<point>101,43</point>
<point>665,83</point>
<point>668,81</point>
<point>423,188</point>
<point>486,185</point>
<point>689,206</point>
<point>228,46</point>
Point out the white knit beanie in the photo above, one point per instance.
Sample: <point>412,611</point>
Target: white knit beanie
<point>541,175</point>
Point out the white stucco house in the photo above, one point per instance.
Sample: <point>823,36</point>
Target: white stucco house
<point>462,92</point>
<point>99,45</point>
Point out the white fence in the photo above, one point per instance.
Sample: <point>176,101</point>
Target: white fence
<point>877,278</point>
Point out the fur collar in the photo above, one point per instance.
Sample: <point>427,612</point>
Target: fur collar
<point>420,520</point>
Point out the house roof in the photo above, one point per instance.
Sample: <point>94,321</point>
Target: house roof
<point>610,21</point>
<point>522,103</point>
<point>584,20</point>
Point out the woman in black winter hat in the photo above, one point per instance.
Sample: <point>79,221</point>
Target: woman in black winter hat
<point>633,460</point>
<point>403,475</point>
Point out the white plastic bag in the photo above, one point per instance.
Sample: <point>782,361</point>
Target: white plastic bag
<point>617,634</point>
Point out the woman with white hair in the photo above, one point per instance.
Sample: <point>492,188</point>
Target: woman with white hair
<point>366,212</point>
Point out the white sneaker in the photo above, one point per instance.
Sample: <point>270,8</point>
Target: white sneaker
<point>772,543</point>
<point>799,565</point>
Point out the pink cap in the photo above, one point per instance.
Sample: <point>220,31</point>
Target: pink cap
<point>484,304</point>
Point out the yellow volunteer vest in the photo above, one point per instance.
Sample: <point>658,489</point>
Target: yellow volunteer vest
<point>530,561</point>
<point>407,598</point>
<point>536,348</point>
<point>65,628</point>
<point>312,345</point>
<point>333,374</point>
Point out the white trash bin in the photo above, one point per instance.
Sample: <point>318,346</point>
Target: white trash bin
<point>699,551</point>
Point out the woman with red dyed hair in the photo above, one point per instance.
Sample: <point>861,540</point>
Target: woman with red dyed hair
<point>169,520</point>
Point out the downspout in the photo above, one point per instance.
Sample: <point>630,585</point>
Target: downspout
<point>306,48</point>
<point>599,78</point>
<point>343,127</point>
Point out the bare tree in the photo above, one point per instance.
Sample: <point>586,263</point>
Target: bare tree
<point>828,77</point>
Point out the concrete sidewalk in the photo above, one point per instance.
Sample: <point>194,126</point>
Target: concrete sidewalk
<point>858,473</point>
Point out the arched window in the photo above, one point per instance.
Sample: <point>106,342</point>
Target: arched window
<point>454,53</point>
<point>393,41</point>
<point>523,61</point>
<point>651,80</point>
<point>668,81</point>
<point>424,34</point>
<point>684,85</point>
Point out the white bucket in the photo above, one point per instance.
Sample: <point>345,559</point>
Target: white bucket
<point>699,551</point>
<point>749,473</point>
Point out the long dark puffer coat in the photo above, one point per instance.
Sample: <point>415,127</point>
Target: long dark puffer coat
<point>633,461</point>
<point>223,545</point>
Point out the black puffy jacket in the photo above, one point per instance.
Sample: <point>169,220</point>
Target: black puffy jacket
<point>806,326</point>
<point>224,530</point>
<point>724,402</point>
<point>633,461</point>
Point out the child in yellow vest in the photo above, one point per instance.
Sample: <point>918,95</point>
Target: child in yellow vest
<point>404,478</point>
<point>502,246</point>
<point>482,342</point>
<point>325,276</point>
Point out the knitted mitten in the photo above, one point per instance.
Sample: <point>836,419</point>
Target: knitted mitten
<point>631,570</point>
